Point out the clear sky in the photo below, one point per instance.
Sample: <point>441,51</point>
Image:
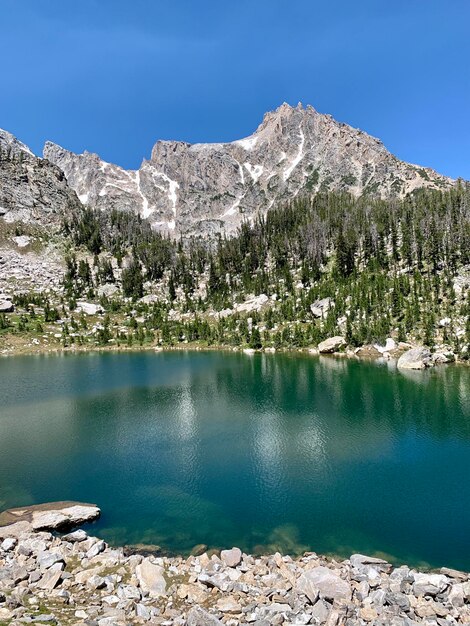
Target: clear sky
<point>113,76</point>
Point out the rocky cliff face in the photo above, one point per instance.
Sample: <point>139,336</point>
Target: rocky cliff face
<point>32,190</point>
<point>204,188</point>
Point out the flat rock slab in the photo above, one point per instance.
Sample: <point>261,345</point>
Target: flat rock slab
<point>50,516</point>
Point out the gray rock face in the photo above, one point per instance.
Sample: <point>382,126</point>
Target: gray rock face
<point>32,190</point>
<point>415,359</point>
<point>207,188</point>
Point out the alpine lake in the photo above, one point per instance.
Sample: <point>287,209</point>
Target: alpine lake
<point>266,452</point>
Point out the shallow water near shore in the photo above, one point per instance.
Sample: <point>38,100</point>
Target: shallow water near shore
<point>266,452</point>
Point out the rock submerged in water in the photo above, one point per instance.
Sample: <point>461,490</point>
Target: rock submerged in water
<point>415,359</point>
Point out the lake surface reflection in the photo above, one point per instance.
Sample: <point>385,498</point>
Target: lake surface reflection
<point>267,452</point>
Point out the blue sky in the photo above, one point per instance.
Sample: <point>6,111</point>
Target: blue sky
<point>113,76</point>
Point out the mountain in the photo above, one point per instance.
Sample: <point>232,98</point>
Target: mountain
<point>205,188</point>
<point>32,190</point>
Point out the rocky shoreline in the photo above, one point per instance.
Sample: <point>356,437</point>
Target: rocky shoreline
<point>46,578</point>
<point>364,353</point>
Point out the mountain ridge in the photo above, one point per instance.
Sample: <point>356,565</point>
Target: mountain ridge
<point>206,188</point>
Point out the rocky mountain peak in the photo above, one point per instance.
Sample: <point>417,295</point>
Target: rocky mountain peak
<point>205,188</point>
<point>32,190</point>
<point>11,145</point>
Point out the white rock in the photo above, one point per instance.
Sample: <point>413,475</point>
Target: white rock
<point>429,584</point>
<point>68,516</point>
<point>76,536</point>
<point>96,549</point>
<point>320,308</point>
<point>254,303</point>
<point>330,585</point>
<point>6,306</point>
<point>333,344</point>
<point>150,577</point>
<point>8,544</point>
<point>48,559</point>
<point>232,557</point>
<point>89,308</point>
<point>390,345</point>
<point>22,241</point>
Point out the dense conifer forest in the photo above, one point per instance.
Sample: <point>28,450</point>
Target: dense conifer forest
<point>390,267</point>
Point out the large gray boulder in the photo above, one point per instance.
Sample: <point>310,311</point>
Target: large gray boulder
<point>415,359</point>
<point>332,344</point>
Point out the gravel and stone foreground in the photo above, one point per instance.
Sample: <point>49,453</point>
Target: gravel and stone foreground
<point>79,579</point>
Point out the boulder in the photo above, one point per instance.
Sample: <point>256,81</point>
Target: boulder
<point>22,241</point>
<point>49,516</point>
<point>66,517</point>
<point>108,290</point>
<point>390,345</point>
<point>76,537</point>
<point>254,303</point>
<point>232,557</point>
<point>47,559</point>
<point>429,584</point>
<point>89,308</point>
<point>150,577</point>
<point>199,549</point>
<point>330,585</point>
<point>333,344</point>
<point>368,351</point>
<point>51,578</point>
<point>305,585</point>
<point>415,359</point>
<point>6,306</point>
<point>357,560</point>
<point>442,356</point>
<point>8,544</point>
<point>320,308</point>
<point>198,616</point>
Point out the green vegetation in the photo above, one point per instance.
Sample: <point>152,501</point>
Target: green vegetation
<point>389,266</point>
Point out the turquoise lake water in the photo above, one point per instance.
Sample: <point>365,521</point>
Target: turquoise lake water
<point>266,452</point>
